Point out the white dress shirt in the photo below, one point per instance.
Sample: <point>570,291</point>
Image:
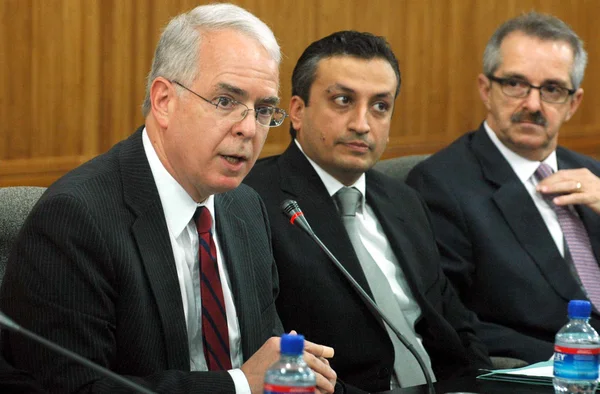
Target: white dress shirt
<point>372,235</point>
<point>525,171</point>
<point>179,209</point>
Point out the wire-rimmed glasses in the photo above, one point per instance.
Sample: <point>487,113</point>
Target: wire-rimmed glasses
<point>265,115</point>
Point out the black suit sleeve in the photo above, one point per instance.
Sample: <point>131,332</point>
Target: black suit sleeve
<point>460,319</point>
<point>61,283</point>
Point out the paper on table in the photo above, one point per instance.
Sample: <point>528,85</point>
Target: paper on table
<point>540,374</point>
<point>544,368</point>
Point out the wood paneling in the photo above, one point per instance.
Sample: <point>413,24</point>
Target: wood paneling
<point>72,72</point>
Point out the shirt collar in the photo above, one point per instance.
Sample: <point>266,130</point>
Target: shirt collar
<point>333,185</point>
<point>524,168</point>
<point>178,206</point>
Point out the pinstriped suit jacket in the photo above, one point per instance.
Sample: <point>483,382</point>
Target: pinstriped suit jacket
<point>93,270</point>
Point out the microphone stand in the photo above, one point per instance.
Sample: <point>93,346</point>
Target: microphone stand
<point>292,210</point>
<point>9,324</point>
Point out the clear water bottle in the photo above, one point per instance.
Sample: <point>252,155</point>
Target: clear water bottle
<point>290,374</point>
<point>576,352</point>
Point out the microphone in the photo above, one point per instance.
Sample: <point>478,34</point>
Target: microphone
<point>292,210</point>
<point>9,324</point>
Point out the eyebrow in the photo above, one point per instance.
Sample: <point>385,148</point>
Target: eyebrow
<point>343,88</point>
<point>236,91</point>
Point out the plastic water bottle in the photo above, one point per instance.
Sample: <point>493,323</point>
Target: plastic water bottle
<point>576,352</point>
<point>290,374</point>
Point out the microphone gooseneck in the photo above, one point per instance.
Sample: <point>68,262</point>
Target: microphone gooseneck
<point>9,324</point>
<point>292,210</point>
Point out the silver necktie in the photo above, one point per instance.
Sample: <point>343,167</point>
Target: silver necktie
<point>406,367</point>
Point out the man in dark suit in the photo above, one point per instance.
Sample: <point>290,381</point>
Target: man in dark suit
<point>149,259</point>
<point>495,217</point>
<point>344,87</point>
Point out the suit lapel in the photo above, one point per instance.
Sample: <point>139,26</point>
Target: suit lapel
<point>522,216</point>
<point>152,236</point>
<point>395,225</point>
<point>301,182</point>
<point>236,255</point>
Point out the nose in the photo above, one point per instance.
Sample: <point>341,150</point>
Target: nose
<point>246,127</point>
<point>359,121</point>
<point>533,101</point>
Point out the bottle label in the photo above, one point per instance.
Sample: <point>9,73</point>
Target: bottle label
<point>576,363</point>
<point>277,389</point>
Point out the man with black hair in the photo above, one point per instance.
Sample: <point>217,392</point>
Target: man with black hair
<point>344,87</point>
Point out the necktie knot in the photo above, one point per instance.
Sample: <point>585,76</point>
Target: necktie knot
<point>543,171</point>
<point>348,199</point>
<point>203,220</point>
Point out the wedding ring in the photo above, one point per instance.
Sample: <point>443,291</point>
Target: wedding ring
<point>578,186</point>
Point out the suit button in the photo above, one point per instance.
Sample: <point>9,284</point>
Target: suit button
<point>384,373</point>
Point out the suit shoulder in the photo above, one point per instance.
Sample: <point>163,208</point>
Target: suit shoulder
<point>93,180</point>
<point>393,185</point>
<point>264,174</point>
<point>580,159</point>
<point>454,160</point>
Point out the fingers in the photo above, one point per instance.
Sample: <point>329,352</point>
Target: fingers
<point>325,385</point>
<point>319,350</point>
<point>316,357</point>
<point>578,186</point>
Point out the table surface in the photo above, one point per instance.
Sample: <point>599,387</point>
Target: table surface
<point>476,386</point>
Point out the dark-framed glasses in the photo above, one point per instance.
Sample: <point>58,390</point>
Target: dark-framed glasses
<point>550,93</point>
<point>265,115</point>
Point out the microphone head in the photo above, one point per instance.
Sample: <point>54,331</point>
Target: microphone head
<point>292,210</point>
<point>290,207</point>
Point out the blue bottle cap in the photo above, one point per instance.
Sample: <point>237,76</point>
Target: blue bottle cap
<point>579,309</point>
<point>292,345</point>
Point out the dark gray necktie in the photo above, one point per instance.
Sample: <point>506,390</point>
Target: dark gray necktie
<point>406,366</point>
<point>578,242</point>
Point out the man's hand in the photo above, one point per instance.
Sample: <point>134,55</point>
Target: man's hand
<point>314,355</point>
<point>578,186</point>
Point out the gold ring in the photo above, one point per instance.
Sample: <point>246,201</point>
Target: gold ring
<point>578,186</point>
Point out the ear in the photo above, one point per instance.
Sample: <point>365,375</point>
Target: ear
<point>574,104</point>
<point>297,107</point>
<point>161,95</point>
<point>485,86</point>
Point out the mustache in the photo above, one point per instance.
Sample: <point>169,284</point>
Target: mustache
<point>534,117</point>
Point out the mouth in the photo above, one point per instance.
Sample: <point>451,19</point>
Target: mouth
<point>358,146</point>
<point>234,162</point>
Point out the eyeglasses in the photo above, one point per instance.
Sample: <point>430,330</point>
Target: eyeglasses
<point>519,88</point>
<point>227,107</point>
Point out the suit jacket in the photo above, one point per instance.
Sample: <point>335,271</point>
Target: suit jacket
<point>13,381</point>
<point>318,301</point>
<point>93,270</point>
<point>496,248</point>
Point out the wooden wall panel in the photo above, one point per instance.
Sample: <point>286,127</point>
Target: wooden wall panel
<point>72,72</point>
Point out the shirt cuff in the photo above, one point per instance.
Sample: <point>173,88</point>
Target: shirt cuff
<point>239,380</point>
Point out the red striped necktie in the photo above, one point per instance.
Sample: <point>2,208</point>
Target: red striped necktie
<point>578,243</point>
<point>215,336</point>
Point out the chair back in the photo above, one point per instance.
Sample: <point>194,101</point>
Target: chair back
<point>15,204</point>
<point>399,167</point>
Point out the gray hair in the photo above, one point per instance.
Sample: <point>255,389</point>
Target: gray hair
<point>544,27</point>
<point>177,53</point>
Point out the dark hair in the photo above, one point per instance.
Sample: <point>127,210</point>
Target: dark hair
<point>342,43</point>
<point>542,26</point>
